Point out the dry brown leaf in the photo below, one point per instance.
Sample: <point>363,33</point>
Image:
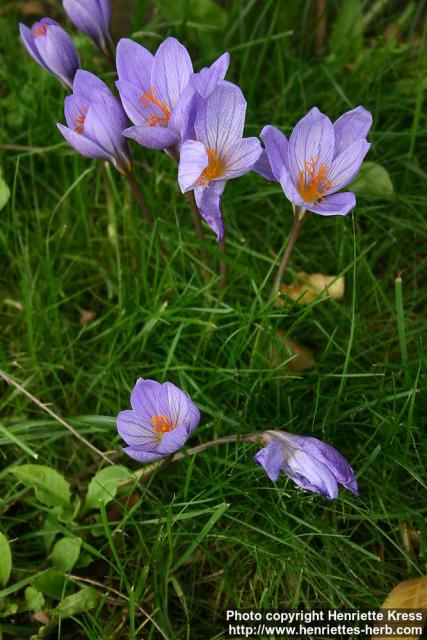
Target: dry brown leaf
<point>86,317</point>
<point>409,594</point>
<point>308,287</point>
<point>298,357</point>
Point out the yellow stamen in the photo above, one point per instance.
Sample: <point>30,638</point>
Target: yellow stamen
<point>215,168</point>
<point>80,121</point>
<point>153,120</point>
<point>162,425</point>
<point>41,30</point>
<point>313,181</point>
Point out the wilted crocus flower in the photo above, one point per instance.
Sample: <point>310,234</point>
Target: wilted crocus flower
<point>93,17</point>
<point>52,48</point>
<point>309,462</point>
<point>96,120</point>
<point>160,421</point>
<point>319,159</point>
<point>219,153</point>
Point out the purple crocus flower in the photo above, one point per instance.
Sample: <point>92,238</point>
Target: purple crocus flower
<point>160,93</point>
<point>96,121</point>
<point>93,17</point>
<point>160,421</point>
<point>219,152</point>
<point>309,462</point>
<point>319,159</point>
<point>52,48</point>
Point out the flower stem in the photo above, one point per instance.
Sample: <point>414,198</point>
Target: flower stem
<point>146,472</point>
<point>222,266</point>
<point>299,215</point>
<point>140,198</point>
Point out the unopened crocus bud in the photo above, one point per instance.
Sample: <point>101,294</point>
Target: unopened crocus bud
<point>52,48</point>
<point>93,17</point>
<point>96,120</point>
<point>309,462</point>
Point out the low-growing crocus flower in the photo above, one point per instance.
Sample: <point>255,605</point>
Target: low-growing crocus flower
<point>93,17</point>
<point>96,121</point>
<point>219,153</point>
<point>160,421</point>
<point>158,92</point>
<point>309,462</point>
<point>52,48</point>
<point>319,159</point>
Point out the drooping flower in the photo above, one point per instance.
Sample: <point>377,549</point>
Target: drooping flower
<point>96,121</point>
<point>309,462</point>
<point>159,92</point>
<point>319,159</point>
<point>93,17</point>
<point>218,153</point>
<point>52,48</point>
<point>160,421</point>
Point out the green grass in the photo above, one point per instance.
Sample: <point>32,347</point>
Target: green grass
<point>212,531</point>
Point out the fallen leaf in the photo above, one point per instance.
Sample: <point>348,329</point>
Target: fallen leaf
<point>285,350</point>
<point>409,594</point>
<point>86,317</point>
<point>308,287</point>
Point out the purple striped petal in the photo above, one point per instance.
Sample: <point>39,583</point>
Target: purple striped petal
<point>173,440</point>
<point>152,137</point>
<point>271,458</point>
<point>75,109</point>
<point>28,41</point>
<point>136,432</point>
<point>193,415</point>
<point>193,160</point>
<point>57,50</point>
<point>351,126</point>
<point>346,166</point>
<point>134,64</point>
<point>290,191</point>
<point>104,125</point>
<point>89,86</point>
<point>171,71</point>
<point>141,455</point>
<point>143,398</point>
<point>221,118</point>
<point>208,201</point>
<point>311,474</point>
<point>241,157</point>
<point>337,204</point>
<point>276,147</point>
<point>263,167</point>
<point>130,96</point>
<point>206,80</point>
<point>172,403</point>
<point>83,145</point>
<point>312,139</point>
<point>92,17</point>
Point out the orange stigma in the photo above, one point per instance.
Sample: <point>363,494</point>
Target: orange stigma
<point>214,169</point>
<point>41,30</point>
<point>313,181</point>
<point>162,425</point>
<point>153,120</point>
<point>80,121</point>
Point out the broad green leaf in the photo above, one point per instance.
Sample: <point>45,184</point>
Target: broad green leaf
<point>346,39</point>
<point>7,608</point>
<point>50,486</point>
<point>103,485</point>
<point>66,553</point>
<point>373,181</point>
<point>51,583</point>
<point>5,560</point>
<point>4,191</point>
<point>34,599</point>
<point>79,602</point>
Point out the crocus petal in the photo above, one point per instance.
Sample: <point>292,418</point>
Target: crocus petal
<point>136,432</point>
<point>193,415</point>
<point>311,139</point>
<point>272,458</point>
<point>173,440</point>
<point>351,126</point>
<point>28,42</point>
<point>311,474</point>
<point>184,114</point>
<point>171,71</point>
<point>263,167</point>
<point>206,80</point>
<point>346,166</point>
<point>152,137</point>
<point>141,455</point>
<point>290,191</point>
<point>209,203</point>
<point>172,403</point>
<point>75,110</point>
<point>143,398</point>
<point>193,160</point>
<point>59,53</point>
<point>221,117</point>
<point>241,157</point>
<point>89,86</point>
<point>134,64</point>
<point>276,147</point>
<point>104,125</point>
<point>90,18</point>
<point>130,96</point>
<point>337,204</point>
<point>83,145</point>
